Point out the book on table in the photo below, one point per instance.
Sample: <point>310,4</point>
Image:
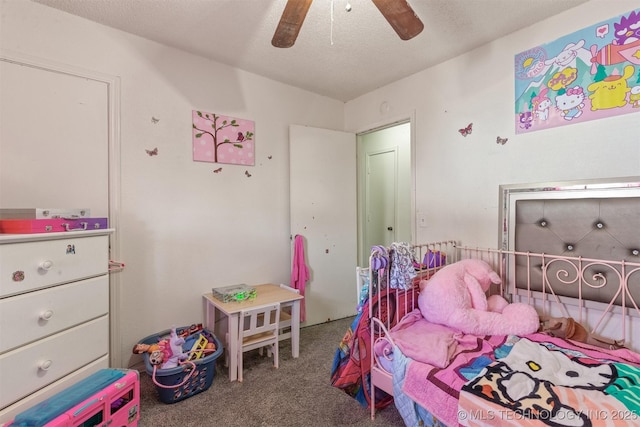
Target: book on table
<point>238,292</point>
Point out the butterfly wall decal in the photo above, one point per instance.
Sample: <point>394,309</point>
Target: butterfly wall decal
<point>501,141</point>
<point>466,131</point>
<point>247,174</point>
<point>217,170</point>
<point>153,152</point>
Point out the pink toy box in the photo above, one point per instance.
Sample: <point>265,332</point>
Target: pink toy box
<point>108,397</point>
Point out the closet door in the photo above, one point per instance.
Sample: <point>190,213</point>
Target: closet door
<point>53,140</point>
<point>385,187</point>
<point>323,210</point>
<point>59,147</point>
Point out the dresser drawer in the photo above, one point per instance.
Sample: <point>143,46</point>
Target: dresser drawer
<point>41,363</point>
<point>27,266</point>
<point>9,413</point>
<point>34,315</point>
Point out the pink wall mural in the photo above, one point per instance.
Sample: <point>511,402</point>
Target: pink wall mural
<point>591,74</point>
<point>222,139</point>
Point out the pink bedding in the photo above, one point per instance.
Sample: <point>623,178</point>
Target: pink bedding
<point>422,341</point>
<point>438,389</point>
<point>554,384</point>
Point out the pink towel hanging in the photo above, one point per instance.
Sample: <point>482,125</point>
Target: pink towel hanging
<point>299,272</point>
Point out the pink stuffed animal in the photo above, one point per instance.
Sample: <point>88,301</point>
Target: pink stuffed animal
<point>456,297</point>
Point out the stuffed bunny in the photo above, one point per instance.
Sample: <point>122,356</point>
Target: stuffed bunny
<point>456,297</point>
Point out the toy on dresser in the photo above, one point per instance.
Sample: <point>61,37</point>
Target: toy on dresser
<point>44,220</point>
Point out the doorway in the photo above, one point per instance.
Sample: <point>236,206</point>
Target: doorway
<point>384,170</point>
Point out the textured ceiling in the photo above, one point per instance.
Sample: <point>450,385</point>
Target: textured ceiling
<point>339,54</point>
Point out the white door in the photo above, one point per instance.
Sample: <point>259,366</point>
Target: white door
<point>323,210</point>
<point>385,193</point>
<point>53,140</point>
<point>380,204</point>
<point>59,147</point>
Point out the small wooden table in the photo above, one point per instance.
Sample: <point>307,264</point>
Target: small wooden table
<point>265,294</point>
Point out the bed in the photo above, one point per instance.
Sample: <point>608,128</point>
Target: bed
<point>571,250</point>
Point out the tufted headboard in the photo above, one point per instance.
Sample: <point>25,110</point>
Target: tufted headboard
<point>607,228</point>
<point>589,219</point>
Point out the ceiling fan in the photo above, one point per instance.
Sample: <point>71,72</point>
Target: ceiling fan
<point>397,12</point>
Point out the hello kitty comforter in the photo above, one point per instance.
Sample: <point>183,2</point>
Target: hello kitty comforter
<point>539,382</point>
<point>536,380</point>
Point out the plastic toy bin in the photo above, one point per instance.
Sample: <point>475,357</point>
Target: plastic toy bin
<point>200,380</point>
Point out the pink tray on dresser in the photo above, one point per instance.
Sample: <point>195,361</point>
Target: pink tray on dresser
<point>30,226</point>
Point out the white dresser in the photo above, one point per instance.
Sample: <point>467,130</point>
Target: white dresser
<point>54,314</point>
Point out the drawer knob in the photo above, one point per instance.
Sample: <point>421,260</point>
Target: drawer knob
<point>46,265</point>
<point>45,365</point>
<point>46,315</point>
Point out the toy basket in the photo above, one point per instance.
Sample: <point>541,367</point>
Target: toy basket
<point>183,381</point>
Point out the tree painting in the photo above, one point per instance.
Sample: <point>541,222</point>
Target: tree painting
<point>222,139</point>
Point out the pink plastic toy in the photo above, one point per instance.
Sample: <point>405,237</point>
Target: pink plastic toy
<point>117,404</point>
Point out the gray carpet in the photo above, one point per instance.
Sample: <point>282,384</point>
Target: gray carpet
<point>298,393</point>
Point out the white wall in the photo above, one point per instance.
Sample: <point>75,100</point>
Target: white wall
<point>183,228</point>
<point>457,178</point>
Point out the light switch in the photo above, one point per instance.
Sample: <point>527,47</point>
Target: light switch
<point>422,220</point>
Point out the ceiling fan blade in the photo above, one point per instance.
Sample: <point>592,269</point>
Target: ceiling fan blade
<point>402,18</point>
<point>290,23</point>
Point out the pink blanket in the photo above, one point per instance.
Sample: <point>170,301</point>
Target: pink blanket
<point>438,389</point>
<point>422,341</point>
<point>566,387</point>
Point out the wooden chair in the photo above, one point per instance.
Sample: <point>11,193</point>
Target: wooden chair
<point>285,315</point>
<point>285,318</point>
<point>256,332</point>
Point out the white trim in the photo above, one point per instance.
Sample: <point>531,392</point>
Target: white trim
<point>113,94</point>
<point>412,161</point>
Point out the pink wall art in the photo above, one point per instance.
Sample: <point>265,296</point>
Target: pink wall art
<point>222,139</point>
